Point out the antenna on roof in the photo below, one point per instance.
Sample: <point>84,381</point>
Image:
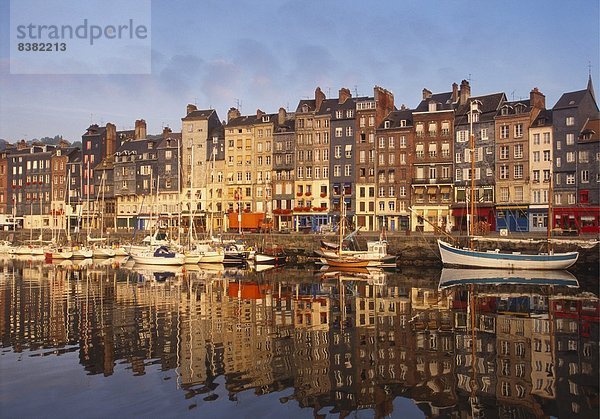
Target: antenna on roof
<point>91,118</point>
<point>328,91</point>
<point>238,105</point>
<point>356,90</point>
<point>512,96</point>
<point>589,68</point>
<point>469,78</point>
<point>195,101</point>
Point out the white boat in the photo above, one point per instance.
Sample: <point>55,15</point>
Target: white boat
<point>376,252</point>
<point>267,259</point>
<point>103,252</point>
<point>455,277</point>
<point>159,256</point>
<point>82,252</point>
<point>210,254</point>
<point>192,257</point>
<point>454,256</point>
<point>472,258</point>
<point>60,253</point>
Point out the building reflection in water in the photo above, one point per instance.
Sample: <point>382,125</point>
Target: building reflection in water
<point>344,341</point>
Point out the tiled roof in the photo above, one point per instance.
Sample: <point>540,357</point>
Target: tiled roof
<point>395,117</point>
<point>444,101</point>
<point>488,108</point>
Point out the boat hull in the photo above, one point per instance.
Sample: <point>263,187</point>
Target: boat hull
<point>263,259</point>
<point>347,262</point>
<point>212,257</point>
<point>452,256</point>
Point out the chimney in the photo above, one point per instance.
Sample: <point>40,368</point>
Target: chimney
<point>454,92</point>
<point>259,114</point>
<point>166,132</point>
<point>22,145</point>
<point>111,139</point>
<point>319,98</point>
<point>233,113</point>
<point>537,99</point>
<point>140,129</point>
<point>281,116</point>
<point>190,108</point>
<point>403,107</point>
<point>426,94</point>
<point>344,95</point>
<point>465,91</point>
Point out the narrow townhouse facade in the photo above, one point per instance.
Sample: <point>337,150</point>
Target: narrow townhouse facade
<point>482,110</point>
<point>5,195</point>
<point>136,179</point>
<point>59,163</point>
<point>372,173</point>
<point>540,169</point>
<point>572,154</point>
<point>395,135</point>
<point>215,188</point>
<point>589,176</point>
<point>432,181</point>
<point>342,161</point>
<point>312,162</point>
<point>196,133</point>
<point>512,161</point>
<point>168,178</point>
<point>283,174</point>
<point>249,157</point>
<point>30,172</point>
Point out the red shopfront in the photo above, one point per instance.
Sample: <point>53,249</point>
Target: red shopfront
<point>485,219</point>
<point>580,219</point>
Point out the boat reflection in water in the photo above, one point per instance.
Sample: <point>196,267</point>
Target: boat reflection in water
<point>295,342</point>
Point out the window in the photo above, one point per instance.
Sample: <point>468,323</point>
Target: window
<point>504,171</point>
<point>518,171</point>
<point>570,139</point>
<point>536,176</point>
<point>546,155</point>
<point>585,176</point>
<point>462,136</point>
<point>348,131</point>
<point>570,179</point>
<point>337,152</point>
<point>504,131</point>
<point>558,161</point>
<point>536,156</point>
<point>518,151</point>
<point>518,130</point>
<point>504,194</point>
<point>518,193</point>
<point>337,170</point>
<point>348,170</point>
<point>570,121</point>
<point>338,132</point>
<point>536,139</point>
<point>584,156</point>
<point>484,134</point>
<point>570,157</point>
<point>458,158</point>
<point>546,138</point>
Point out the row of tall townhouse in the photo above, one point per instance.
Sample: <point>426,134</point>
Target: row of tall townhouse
<point>395,168</point>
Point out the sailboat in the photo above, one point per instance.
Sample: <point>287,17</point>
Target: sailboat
<point>455,277</point>
<point>376,252</point>
<point>99,249</point>
<point>338,258</point>
<point>469,257</point>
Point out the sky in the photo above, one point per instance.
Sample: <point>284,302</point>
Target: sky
<point>269,54</point>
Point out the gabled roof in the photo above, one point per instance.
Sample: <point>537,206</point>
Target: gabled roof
<point>444,101</point>
<point>198,114</point>
<point>544,119</point>
<point>488,108</point>
<point>590,132</point>
<point>395,117</point>
<point>570,100</point>
<point>514,105</point>
<point>246,120</point>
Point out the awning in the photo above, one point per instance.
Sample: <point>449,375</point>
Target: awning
<point>348,147</point>
<point>512,207</point>
<point>445,189</point>
<point>419,189</point>
<point>431,190</point>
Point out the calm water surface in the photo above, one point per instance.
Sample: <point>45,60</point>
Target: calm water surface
<point>102,339</point>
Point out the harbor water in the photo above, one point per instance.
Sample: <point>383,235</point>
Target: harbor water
<point>113,339</point>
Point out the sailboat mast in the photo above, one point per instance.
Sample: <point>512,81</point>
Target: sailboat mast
<point>550,221</point>
<point>69,206</point>
<point>191,196</point>
<point>88,201</point>
<point>472,192</point>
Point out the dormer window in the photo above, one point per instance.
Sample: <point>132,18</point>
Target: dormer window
<point>150,145</point>
<point>432,106</point>
<point>403,122</point>
<point>519,108</point>
<point>265,118</point>
<point>305,108</point>
<point>505,110</point>
<point>386,124</point>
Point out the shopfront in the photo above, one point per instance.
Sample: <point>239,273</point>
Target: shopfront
<point>512,218</point>
<point>577,219</point>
